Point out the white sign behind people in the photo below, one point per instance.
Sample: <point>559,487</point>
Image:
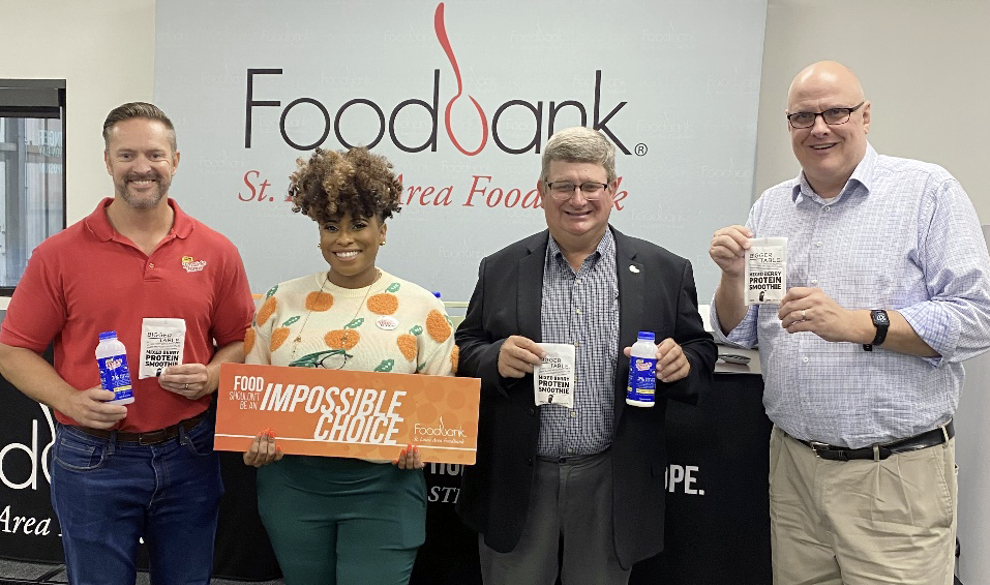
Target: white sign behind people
<point>461,96</point>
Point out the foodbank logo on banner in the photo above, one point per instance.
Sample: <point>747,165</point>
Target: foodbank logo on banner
<point>589,108</point>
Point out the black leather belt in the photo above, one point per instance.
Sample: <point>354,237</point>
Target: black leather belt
<point>572,459</point>
<point>147,437</point>
<point>924,440</point>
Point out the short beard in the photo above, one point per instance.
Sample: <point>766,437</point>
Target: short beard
<point>141,202</point>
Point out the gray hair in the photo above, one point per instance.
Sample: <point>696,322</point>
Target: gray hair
<point>138,110</point>
<point>582,145</point>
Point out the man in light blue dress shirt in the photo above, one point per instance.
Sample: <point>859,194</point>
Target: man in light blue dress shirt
<point>862,360</point>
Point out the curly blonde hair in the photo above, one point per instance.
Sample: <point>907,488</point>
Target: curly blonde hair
<point>353,181</point>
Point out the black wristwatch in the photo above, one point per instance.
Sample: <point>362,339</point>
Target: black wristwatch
<point>881,321</point>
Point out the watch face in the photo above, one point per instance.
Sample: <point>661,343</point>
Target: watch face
<point>880,317</point>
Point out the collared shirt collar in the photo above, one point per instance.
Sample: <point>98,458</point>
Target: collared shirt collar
<point>99,224</point>
<point>605,246</point>
<point>861,175</point>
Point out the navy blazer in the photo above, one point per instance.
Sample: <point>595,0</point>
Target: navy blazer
<point>658,295</point>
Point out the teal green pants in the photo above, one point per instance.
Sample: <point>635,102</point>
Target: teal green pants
<point>342,521</point>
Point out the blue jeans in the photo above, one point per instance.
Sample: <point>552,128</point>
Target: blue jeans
<point>108,494</point>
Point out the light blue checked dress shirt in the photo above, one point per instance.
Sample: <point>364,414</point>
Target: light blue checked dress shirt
<point>904,236</point>
<point>582,309</point>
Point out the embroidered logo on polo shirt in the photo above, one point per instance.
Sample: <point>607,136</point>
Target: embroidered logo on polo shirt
<point>192,265</point>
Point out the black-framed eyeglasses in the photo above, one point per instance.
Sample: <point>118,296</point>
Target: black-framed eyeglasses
<point>832,117</point>
<point>562,190</point>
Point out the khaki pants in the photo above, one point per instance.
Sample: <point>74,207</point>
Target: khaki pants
<point>862,522</point>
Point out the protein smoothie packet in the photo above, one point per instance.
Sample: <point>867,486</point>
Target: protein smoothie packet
<point>766,271</point>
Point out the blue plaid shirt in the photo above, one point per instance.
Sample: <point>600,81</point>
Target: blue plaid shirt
<point>904,236</point>
<point>582,309</point>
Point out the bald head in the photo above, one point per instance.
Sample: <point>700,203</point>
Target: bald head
<point>825,74</point>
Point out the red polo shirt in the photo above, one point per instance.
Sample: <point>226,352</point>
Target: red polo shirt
<point>89,278</point>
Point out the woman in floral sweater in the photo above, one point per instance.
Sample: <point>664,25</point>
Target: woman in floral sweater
<point>337,520</point>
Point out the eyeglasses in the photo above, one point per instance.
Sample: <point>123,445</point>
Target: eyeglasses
<point>565,190</point>
<point>332,359</point>
<point>832,117</point>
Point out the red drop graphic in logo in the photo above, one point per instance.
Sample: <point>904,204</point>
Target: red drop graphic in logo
<point>441,31</point>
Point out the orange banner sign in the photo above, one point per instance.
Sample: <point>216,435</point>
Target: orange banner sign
<point>337,413</point>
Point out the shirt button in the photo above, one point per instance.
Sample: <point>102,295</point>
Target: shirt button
<point>804,359</point>
<point>818,244</point>
<point>151,264</point>
<point>578,311</point>
<point>573,414</point>
<point>576,343</point>
<point>814,281</point>
<point>570,450</point>
<point>826,208</point>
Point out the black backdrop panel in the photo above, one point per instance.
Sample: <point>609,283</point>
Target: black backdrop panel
<point>720,536</point>
<point>29,529</point>
<point>717,522</point>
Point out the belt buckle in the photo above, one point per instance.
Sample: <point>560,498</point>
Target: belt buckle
<point>818,445</point>
<point>153,437</point>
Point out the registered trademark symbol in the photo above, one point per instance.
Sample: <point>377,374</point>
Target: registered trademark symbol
<point>641,149</point>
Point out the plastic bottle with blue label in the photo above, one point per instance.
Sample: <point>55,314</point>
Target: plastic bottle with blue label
<point>115,376</point>
<point>642,388</point>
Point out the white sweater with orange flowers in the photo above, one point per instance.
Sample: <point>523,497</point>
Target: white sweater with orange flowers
<point>391,326</point>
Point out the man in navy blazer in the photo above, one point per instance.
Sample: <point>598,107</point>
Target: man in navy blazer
<point>576,490</point>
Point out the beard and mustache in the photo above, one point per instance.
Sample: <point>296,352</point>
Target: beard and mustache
<point>145,199</point>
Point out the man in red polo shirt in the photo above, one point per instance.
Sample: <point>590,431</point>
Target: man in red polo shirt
<point>146,469</point>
